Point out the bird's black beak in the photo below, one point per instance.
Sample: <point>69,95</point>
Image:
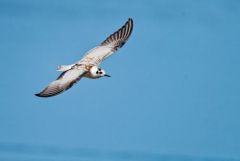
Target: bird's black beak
<point>106,75</point>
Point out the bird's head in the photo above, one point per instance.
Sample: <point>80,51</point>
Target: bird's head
<point>98,72</point>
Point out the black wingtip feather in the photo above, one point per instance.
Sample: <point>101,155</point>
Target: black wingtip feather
<point>130,19</point>
<point>40,95</point>
<point>37,94</point>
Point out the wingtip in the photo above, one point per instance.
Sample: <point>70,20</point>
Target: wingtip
<point>44,94</point>
<point>38,94</point>
<point>119,37</point>
<point>130,19</point>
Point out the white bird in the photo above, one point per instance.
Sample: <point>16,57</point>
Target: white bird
<point>88,66</point>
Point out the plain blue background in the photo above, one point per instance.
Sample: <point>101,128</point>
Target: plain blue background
<point>174,88</point>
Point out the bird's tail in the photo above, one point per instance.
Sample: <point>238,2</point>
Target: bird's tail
<point>63,68</point>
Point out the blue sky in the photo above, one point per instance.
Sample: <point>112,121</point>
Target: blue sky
<point>174,87</point>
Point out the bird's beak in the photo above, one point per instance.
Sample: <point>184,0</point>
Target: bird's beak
<point>106,75</point>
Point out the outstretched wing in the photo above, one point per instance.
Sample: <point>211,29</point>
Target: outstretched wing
<point>109,46</point>
<point>65,81</point>
<point>119,38</point>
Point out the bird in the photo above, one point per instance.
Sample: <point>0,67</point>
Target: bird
<point>89,65</point>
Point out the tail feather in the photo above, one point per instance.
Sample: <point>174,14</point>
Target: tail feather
<point>63,68</point>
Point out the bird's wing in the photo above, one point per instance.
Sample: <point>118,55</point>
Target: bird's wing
<point>65,81</point>
<point>115,41</point>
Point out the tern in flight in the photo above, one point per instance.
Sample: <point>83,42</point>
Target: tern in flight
<point>88,66</point>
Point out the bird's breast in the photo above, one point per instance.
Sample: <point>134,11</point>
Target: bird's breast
<point>91,75</point>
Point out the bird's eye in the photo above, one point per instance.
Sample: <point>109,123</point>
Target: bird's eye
<point>100,72</point>
<point>96,72</point>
